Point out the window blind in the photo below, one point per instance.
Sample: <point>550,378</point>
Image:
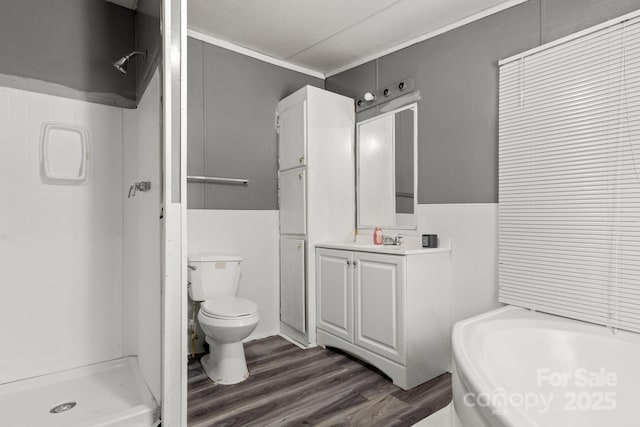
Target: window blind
<point>569,177</point>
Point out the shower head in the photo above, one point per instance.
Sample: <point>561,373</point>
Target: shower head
<point>121,64</point>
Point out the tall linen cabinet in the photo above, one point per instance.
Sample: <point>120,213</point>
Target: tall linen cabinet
<point>316,192</point>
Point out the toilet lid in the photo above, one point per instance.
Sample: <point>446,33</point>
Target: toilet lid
<point>228,307</point>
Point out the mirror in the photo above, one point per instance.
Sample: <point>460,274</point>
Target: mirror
<point>386,157</point>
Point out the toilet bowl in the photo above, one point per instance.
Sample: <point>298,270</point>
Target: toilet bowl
<point>226,321</point>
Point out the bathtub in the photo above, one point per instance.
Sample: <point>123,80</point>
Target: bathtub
<point>514,367</point>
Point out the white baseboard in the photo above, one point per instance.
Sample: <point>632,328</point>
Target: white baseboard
<point>441,418</point>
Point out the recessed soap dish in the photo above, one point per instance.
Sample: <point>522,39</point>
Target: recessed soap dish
<point>63,154</point>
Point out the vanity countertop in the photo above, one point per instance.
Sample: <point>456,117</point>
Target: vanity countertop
<point>406,249</point>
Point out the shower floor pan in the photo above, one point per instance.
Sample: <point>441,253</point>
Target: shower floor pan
<point>111,393</point>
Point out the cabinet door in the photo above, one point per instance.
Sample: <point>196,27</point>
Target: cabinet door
<point>293,213</point>
<point>379,304</point>
<point>292,147</point>
<point>293,283</point>
<point>335,292</point>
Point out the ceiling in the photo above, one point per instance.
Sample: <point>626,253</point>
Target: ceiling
<point>331,35</point>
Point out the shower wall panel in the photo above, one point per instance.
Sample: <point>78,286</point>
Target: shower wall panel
<point>60,245</point>
<point>142,270</point>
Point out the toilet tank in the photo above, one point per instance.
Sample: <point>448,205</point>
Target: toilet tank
<point>213,275</point>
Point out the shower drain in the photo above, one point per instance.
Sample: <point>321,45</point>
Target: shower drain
<point>63,407</point>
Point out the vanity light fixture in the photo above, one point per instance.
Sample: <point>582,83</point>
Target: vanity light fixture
<point>394,90</point>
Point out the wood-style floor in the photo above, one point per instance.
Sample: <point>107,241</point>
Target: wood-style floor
<point>293,387</point>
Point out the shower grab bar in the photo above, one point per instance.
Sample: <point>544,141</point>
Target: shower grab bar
<point>217,180</point>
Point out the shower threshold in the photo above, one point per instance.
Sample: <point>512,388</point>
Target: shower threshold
<point>111,393</point>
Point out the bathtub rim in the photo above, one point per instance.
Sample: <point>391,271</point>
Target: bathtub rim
<point>474,379</point>
<point>465,369</point>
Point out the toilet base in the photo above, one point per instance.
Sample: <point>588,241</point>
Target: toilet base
<point>225,364</point>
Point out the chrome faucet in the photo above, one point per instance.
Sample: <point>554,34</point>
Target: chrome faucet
<point>138,186</point>
<point>392,241</point>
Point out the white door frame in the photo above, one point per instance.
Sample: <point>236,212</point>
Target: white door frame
<point>174,255</point>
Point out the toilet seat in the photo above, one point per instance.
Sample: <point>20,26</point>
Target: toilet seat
<point>229,307</point>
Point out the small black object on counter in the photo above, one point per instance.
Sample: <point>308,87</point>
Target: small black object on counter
<point>429,240</point>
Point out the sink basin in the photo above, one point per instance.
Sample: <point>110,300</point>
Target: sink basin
<point>392,247</point>
<point>408,248</point>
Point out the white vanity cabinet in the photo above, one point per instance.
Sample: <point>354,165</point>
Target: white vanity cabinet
<point>292,294</point>
<point>389,310</point>
<point>292,122</point>
<point>293,206</point>
<point>316,192</point>
<point>335,292</point>
<point>361,300</point>
<point>379,304</point>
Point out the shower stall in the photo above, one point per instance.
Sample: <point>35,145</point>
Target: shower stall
<point>91,272</point>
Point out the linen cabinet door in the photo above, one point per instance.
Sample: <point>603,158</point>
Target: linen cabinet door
<point>335,292</point>
<point>292,147</point>
<point>293,285</point>
<point>293,206</point>
<point>379,304</point>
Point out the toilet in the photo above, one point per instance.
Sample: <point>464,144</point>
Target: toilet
<point>225,318</point>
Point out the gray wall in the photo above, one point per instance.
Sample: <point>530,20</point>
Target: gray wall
<point>457,76</point>
<point>560,18</point>
<point>148,37</point>
<point>232,100</point>
<point>69,43</point>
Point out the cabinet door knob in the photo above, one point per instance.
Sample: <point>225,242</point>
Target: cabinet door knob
<point>355,262</point>
<point>301,159</point>
<point>299,176</point>
<point>348,262</point>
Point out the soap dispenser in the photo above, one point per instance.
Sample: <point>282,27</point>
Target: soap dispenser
<point>377,236</point>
